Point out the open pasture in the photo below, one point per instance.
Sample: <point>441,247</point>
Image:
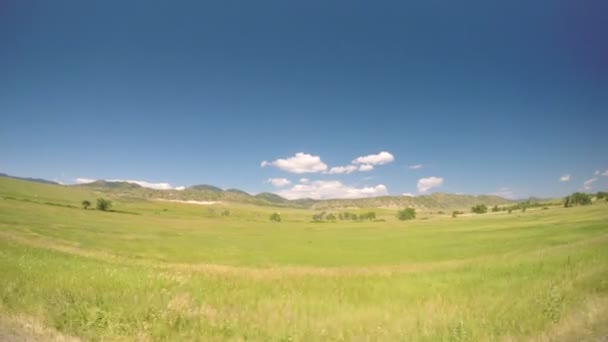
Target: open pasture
<point>157,270</point>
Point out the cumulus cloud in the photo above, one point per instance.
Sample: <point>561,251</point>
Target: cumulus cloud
<point>331,189</point>
<point>375,159</point>
<point>366,167</point>
<point>145,184</point>
<point>342,169</point>
<point>408,194</point>
<point>425,184</point>
<point>299,163</point>
<point>596,173</point>
<point>564,178</point>
<point>304,180</point>
<point>180,188</point>
<point>415,167</point>
<point>279,182</point>
<point>504,192</point>
<point>588,182</point>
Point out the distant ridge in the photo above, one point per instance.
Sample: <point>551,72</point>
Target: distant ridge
<point>205,192</point>
<point>111,185</point>
<point>36,180</point>
<point>205,187</point>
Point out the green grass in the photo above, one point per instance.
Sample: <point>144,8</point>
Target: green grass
<point>183,272</point>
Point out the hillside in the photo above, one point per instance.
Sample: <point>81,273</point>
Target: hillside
<point>134,192</point>
<point>29,179</point>
<point>436,201</point>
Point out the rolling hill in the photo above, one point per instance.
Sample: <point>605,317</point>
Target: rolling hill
<point>205,192</point>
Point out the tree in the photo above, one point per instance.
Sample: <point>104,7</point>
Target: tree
<point>330,217</point>
<point>580,198</point>
<point>495,209</point>
<point>480,209</point>
<point>86,204</point>
<point>276,217</point>
<point>455,213</point>
<point>406,214</point>
<point>318,217</point>
<point>103,204</point>
<point>567,203</point>
<point>367,216</point>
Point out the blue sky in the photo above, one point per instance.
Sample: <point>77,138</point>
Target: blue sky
<point>489,97</point>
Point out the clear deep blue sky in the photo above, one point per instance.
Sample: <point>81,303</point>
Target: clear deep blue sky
<point>486,95</point>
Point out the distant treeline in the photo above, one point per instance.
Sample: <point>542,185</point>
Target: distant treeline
<point>348,216</point>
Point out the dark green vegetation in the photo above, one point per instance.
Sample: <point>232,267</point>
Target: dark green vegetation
<point>103,204</point>
<point>436,201</point>
<point>479,209</point>
<point>578,198</point>
<point>160,270</point>
<point>406,214</point>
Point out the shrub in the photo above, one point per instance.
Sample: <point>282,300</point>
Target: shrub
<point>330,217</point>
<point>455,213</point>
<point>367,216</point>
<point>276,217</point>
<point>318,217</point>
<point>577,198</point>
<point>495,209</point>
<point>103,204</point>
<point>479,209</point>
<point>406,214</point>
<point>86,204</point>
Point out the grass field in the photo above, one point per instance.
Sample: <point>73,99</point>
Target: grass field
<point>156,270</point>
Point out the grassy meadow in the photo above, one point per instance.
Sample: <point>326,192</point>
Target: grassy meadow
<point>158,270</point>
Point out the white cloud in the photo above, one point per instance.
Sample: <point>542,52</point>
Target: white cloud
<point>145,184</point>
<point>304,180</point>
<point>564,178</point>
<point>342,169</point>
<point>180,188</point>
<point>605,173</point>
<point>588,182</point>
<point>415,167</point>
<point>85,180</point>
<point>375,159</point>
<point>366,167</point>
<point>331,189</point>
<point>157,186</point>
<point>279,182</point>
<point>425,184</point>
<point>299,163</point>
<point>596,173</point>
<point>504,192</point>
<point>408,194</point>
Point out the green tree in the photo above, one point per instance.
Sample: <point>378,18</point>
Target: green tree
<point>406,214</point>
<point>455,213</point>
<point>276,217</point>
<point>330,217</point>
<point>103,204</point>
<point>495,209</point>
<point>318,217</point>
<point>367,216</point>
<point>480,209</point>
<point>580,198</point>
<point>86,204</point>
